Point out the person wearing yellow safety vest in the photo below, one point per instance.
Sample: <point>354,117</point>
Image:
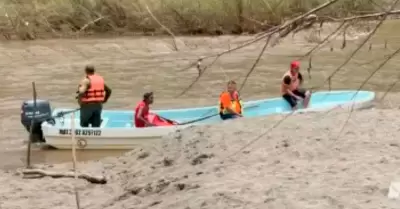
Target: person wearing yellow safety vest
<point>230,106</point>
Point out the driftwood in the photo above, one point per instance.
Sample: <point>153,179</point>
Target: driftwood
<point>39,173</point>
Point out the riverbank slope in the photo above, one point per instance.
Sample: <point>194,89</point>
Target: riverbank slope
<point>300,164</point>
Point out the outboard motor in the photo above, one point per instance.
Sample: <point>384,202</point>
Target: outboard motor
<point>43,113</point>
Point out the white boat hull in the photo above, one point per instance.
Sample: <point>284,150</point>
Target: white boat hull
<point>97,143</point>
<point>129,138</point>
<point>110,139</point>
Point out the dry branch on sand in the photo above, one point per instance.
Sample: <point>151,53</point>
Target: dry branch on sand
<point>39,173</point>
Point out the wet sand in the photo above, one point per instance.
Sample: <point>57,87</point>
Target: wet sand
<point>211,167</point>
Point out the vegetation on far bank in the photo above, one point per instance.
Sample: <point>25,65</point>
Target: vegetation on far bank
<point>31,19</point>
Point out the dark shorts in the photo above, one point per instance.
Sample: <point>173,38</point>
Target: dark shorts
<point>91,114</point>
<point>292,100</point>
<point>227,116</point>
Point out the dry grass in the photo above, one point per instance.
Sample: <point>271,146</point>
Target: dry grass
<point>31,19</point>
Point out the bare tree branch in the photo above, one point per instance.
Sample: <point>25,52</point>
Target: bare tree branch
<point>164,27</point>
<point>363,84</point>
<point>290,25</point>
<point>367,16</point>
<point>255,63</point>
<point>361,45</point>
<point>329,78</point>
<point>326,39</point>
<point>391,86</point>
<point>87,25</point>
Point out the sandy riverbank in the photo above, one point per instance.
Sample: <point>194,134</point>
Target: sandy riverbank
<point>308,167</point>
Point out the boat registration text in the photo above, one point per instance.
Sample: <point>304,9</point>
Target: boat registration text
<point>80,132</point>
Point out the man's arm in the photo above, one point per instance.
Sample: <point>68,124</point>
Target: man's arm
<point>83,86</point>
<point>287,80</point>
<point>108,93</point>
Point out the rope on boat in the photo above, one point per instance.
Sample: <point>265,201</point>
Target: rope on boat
<point>213,115</point>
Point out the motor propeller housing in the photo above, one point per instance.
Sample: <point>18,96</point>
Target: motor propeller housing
<point>38,115</point>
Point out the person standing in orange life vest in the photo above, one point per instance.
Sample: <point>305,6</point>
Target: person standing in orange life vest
<point>290,87</point>
<point>92,94</point>
<point>229,103</point>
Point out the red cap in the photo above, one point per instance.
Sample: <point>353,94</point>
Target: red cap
<point>294,64</point>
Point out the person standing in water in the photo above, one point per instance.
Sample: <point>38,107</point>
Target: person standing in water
<point>230,106</point>
<point>92,94</point>
<point>290,87</point>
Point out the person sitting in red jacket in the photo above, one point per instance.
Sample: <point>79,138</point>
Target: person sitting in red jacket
<point>143,116</point>
<point>142,111</point>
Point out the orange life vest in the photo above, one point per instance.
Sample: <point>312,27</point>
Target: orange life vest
<point>236,104</point>
<point>95,93</point>
<point>294,84</point>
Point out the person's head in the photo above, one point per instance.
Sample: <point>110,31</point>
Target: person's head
<point>231,86</point>
<point>148,97</point>
<point>294,66</point>
<point>89,70</point>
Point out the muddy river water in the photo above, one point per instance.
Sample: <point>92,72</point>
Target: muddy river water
<point>133,65</point>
